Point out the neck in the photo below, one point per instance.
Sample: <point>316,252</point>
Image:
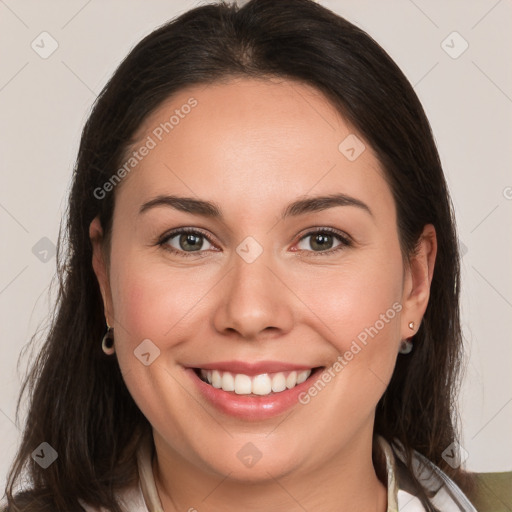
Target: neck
<point>347,481</point>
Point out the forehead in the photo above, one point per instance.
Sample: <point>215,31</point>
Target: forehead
<point>250,142</point>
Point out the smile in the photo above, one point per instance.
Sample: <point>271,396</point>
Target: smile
<point>262,384</point>
<point>251,391</point>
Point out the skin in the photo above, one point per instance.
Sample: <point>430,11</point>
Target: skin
<point>252,147</point>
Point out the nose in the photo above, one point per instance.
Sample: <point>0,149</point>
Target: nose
<point>254,302</point>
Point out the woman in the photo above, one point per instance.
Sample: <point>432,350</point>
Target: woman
<point>259,307</point>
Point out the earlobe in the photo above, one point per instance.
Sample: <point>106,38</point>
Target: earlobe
<point>418,280</point>
<point>99,265</point>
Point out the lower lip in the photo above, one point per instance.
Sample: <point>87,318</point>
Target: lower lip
<point>251,407</point>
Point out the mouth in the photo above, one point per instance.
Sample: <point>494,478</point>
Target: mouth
<point>263,384</point>
<point>252,391</point>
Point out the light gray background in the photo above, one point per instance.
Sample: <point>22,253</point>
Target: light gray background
<point>44,103</point>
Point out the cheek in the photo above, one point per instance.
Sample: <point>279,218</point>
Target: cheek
<point>360,310</point>
<point>153,303</point>
<point>359,306</point>
<point>363,292</point>
<point>366,322</point>
<point>152,300</point>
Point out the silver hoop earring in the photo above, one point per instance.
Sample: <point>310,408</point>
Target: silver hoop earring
<point>406,346</point>
<point>107,343</point>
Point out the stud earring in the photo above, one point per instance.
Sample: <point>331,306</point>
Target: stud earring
<point>107,343</point>
<point>411,325</point>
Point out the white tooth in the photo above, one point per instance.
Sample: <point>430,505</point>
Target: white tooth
<point>291,380</point>
<point>302,376</point>
<point>216,379</point>
<point>278,382</point>
<point>228,382</point>
<point>242,384</point>
<point>261,384</point>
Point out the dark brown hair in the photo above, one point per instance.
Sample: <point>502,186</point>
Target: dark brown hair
<point>79,403</point>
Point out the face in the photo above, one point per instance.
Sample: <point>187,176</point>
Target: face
<point>222,309</point>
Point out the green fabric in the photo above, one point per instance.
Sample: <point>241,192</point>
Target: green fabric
<point>492,492</point>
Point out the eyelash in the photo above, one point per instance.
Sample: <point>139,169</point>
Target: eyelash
<point>344,239</point>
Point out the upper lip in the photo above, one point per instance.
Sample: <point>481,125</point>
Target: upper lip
<point>254,368</point>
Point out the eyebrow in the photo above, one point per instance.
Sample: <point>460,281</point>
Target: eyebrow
<point>296,208</point>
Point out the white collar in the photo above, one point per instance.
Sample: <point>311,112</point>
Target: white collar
<point>443,492</point>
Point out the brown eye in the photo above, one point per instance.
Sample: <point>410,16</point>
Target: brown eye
<point>184,242</point>
<point>323,241</point>
<point>189,241</point>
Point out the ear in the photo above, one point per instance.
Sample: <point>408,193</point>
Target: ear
<point>418,277</point>
<point>100,267</point>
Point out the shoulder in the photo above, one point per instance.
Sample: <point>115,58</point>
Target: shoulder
<point>489,492</point>
<point>442,491</point>
<point>412,487</point>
